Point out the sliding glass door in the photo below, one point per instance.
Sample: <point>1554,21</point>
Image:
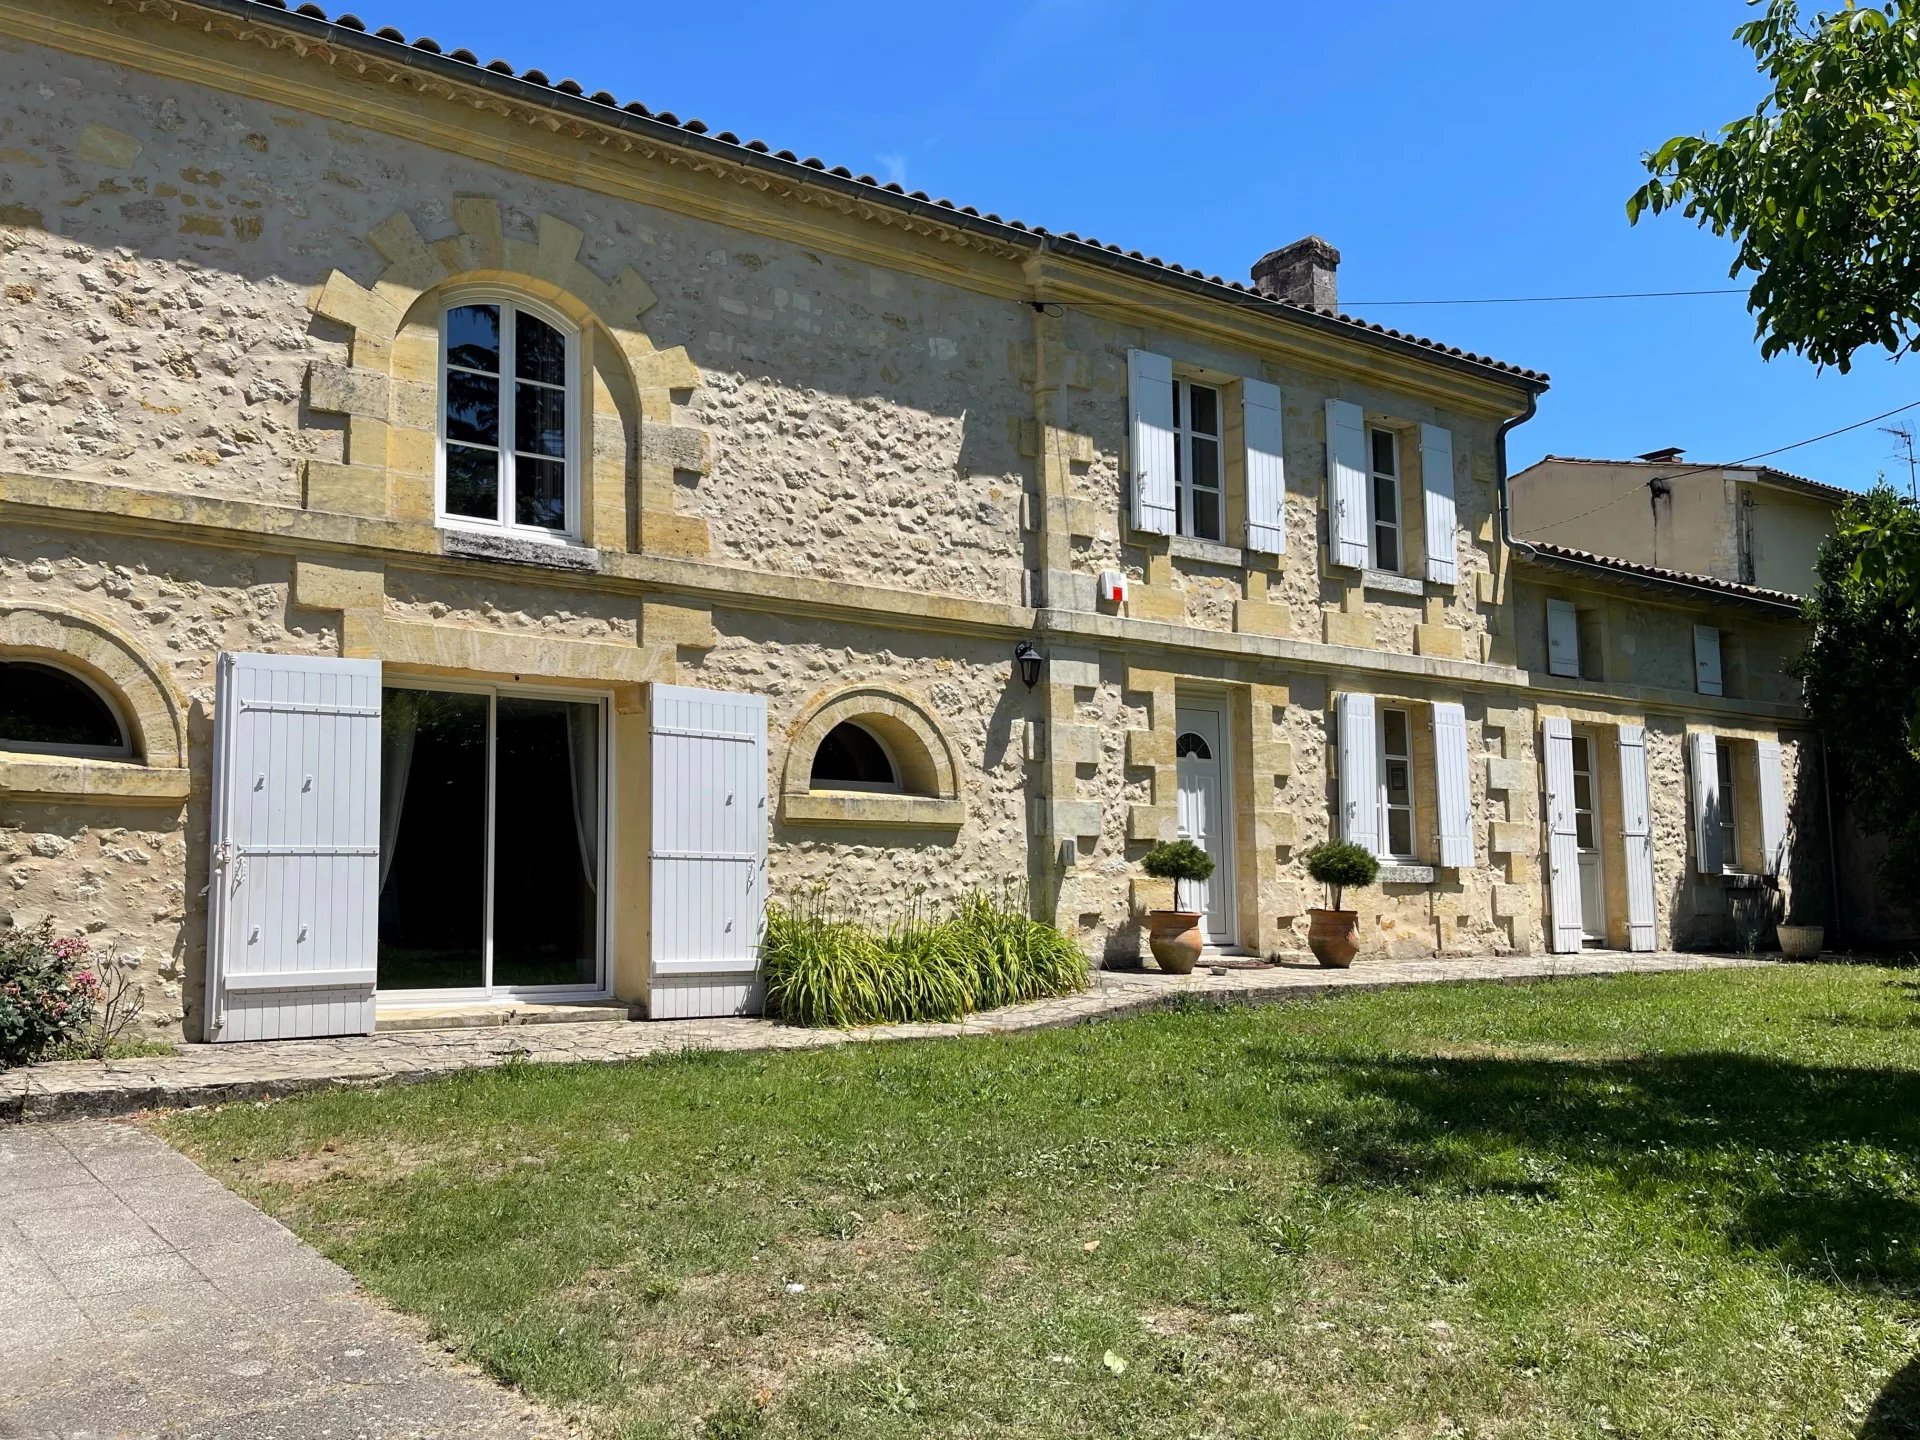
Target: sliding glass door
<point>492,842</point>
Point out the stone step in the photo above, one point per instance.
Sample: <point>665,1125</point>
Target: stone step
<point>479,1014</point>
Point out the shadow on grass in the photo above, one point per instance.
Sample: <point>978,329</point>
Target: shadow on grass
<point>1896,1411</point>
<point>1818,1166</point>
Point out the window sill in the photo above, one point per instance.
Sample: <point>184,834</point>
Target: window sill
<point>507,548</point>
<point>52,777</point>
<point>895,812</point>
<point>1741,880</point>
<point>1209,552</point>
<point>1391,583</point>
<point>1404,874</point>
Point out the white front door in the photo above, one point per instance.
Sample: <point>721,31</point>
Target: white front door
<point>1586,829</point>
<point>1206,816</point>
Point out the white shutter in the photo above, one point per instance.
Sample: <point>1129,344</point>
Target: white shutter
<point>1266,468</point>
<point>1436,491</point>
<point>1706,660</point>
<point>1704,757</point>
<point>1773,807</point>
<point>1150,402</point>
<point>1563,841</point>
<point>1359,772</point>
<point>294,895</point>
<point>1347,472</point>
<point>1451,783</point>
<point>709,852</point>
<point>1563,638</point>
<point>1636,829</point>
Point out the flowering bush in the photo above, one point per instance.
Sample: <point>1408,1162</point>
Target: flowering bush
<point>48,990</point>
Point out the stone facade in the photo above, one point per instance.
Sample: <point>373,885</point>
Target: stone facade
<point>843,451</point>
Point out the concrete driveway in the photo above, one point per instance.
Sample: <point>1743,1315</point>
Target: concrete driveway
<point>140,1298</point>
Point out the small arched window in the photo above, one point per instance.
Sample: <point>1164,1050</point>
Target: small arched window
<point>851,757</point>
<point>1191,746</point>
<point>509,389</point>
<point>53,711</point>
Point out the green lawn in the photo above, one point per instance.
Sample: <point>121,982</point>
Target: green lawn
<point>1657,1206</point>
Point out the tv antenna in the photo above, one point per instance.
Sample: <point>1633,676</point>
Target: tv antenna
<point>1904,434</point>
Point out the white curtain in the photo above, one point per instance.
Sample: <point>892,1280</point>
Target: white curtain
<point>399,722</point>
<point>583,762</point>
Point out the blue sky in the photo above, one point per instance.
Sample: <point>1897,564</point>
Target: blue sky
<point>1450,150</point>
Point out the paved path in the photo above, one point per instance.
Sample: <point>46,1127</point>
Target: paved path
<point>211,1074</point>
<point>140,1298</point>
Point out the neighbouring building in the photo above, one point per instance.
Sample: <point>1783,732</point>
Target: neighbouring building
<point>465,537</point>
<point>1747,523</point>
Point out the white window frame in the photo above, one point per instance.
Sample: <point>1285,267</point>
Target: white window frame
<point>1374,518</point>
<point>1183,438</point>
<point>122,751</point>
<point>602,987</point>
<point>510,304</point>
<point>1409,856</point>
<point>858,787</point>
<point>1726,777</point>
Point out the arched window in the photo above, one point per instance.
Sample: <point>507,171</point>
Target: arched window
<point>509,392</point>
<point>851,757</point>
<point>53,711</point>
<point>1191,746</point>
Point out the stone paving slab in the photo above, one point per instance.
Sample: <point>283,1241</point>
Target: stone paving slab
<point>138,1297</point>
<point>216,1074</point>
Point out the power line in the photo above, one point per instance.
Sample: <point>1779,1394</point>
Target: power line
<point>1679,474</point>
<point>1549,299</point>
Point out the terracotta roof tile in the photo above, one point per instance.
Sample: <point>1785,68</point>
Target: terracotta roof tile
<point>1537,549</point>
<point>1232,291</point>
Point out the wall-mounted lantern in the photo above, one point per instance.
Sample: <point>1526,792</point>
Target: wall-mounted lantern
<point>1029,661</point>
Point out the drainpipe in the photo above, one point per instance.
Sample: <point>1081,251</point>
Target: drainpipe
<point>1833,844</point>
<point>1507,540</point>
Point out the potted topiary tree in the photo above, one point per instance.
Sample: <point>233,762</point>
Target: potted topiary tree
<point>1174,935</point>
<point>1333,933</point>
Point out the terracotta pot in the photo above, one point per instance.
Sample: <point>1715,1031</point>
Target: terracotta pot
<point>1334,937</point>
<point>1801,942</point>
<point>1175,939</point>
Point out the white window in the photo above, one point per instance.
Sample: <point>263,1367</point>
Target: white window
<point>509,447</point>
<point>1196,460</point>
<point>1396,784</point>
<point>50,711</point>
<point>1383,499</point>
<point>1729,821</point>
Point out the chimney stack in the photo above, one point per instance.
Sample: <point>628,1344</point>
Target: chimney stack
<point>1302,273</point>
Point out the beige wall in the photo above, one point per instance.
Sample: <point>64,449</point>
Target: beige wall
<point>1608,509</point>
<point>1728,524</point>
<point>1637,637</point>
<point>1784,532</point>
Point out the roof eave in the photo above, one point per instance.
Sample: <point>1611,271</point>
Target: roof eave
<point>1777,603</point>
<point>589,111</point>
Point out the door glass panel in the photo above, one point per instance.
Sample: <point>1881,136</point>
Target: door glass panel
<point>433,827</point>
<point>1383,456</point>
<point>1396,781</point>
<point>547,844</point>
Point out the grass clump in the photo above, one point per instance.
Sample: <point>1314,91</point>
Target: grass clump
<point>824,968</point>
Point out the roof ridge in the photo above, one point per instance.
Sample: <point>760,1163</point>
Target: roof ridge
<point>759,152</point>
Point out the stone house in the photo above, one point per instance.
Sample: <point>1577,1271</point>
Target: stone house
<point>1750,523</point>
<point>461,537</point>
